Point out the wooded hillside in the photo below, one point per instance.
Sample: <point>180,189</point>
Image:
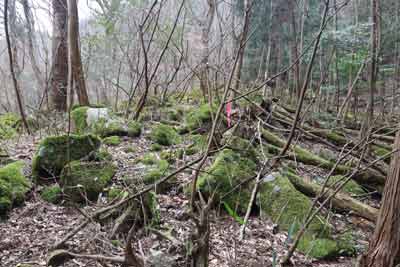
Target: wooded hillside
<point>200,133</point>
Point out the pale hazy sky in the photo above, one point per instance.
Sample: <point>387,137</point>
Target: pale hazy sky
<point>42,9</point>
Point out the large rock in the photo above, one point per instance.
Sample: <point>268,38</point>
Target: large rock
<point>152,170</point>
<point>56,151</point>
<point>164,135</point>
<point>102,122</point>
<point>81,180</point>
<point>280,201</point>
<point>228,170</point>
<point>13,186</point>
<point>199,118</point>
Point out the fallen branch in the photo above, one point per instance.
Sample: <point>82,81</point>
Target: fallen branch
<point>339,201</point>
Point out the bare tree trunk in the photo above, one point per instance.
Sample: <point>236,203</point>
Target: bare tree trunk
<point>372,81</point>
<point>59,79</point>
<point>384,248</point>
<point>242,43</point>
<point>31,42</point>
<point>268,56</point>
<point>14,79</point>
<point>294,48</point>
<point>75,53</point>
<point>205,37</point>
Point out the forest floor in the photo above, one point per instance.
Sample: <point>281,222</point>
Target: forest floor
<point>27,236</point>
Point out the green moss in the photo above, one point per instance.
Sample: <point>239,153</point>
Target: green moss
<point>55,152</point>
<point>8,125</point>
<point>86,179</point>
<point>149,159</point>
<point>79,117</point>
<point>134,129</point>
<point>129,149</point>
<point>380,152</point>
<point>154,209</point>
<point>112,140</point>
<point>156,147</point>
<point>109,128</point>
<point>13,186</point>
<point>242,146</point>
<point>101,155</point>
<point>164,135</point>
<point>301,154</point>
<point>319,248</point>
<point>157,171</point>
<point>198,144</point>
<point>327,248</point>
<point>116,192</point>
<point>280,201</point>
<point>52,194</point>
<point>168,155</point>
<point>228,170</point>
<point>198,117</point>
<point>351,187</point>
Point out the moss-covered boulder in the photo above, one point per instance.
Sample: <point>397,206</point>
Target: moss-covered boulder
<point>102,122</point>
<point>327,248</point>
<point>86,180</point>
<point>52,194</point>
<point>199,117</point>
<point>13,186</point>
<point>197,144</point>
<point>8,125</point>
<point>350,187</point>
<point>228,170</point>
<point>154,169</point>
<point>134,129</point>
<point>164,135</point>
<point>112,140</point>
<point>280,201</point>
<point>55,152</point>
<point>240,145</point>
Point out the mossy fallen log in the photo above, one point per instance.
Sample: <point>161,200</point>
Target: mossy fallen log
<point>341,201</point>
<point>369,177</point>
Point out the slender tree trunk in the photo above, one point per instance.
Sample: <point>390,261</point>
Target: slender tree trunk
<point>372,81</point>
<point>269,49</point>
<point>242,43</point>
<point>59,79</point>
<point>205,38</point>
<point>75,53</point>
<point>294,49</point>
<point>31,43</point>
<point>14,79</point>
